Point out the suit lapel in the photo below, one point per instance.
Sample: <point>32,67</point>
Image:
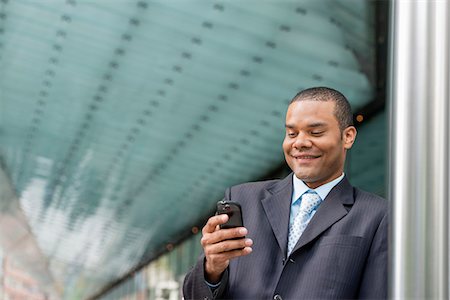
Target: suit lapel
<point>277,206</point>
<point>330,211</point>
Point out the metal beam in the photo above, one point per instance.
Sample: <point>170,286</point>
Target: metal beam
<point>419,145</point>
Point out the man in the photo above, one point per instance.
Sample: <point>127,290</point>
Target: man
<point>335,248</point>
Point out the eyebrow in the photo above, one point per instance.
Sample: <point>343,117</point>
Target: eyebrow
<point>317,124</point>
<point>313,125</point>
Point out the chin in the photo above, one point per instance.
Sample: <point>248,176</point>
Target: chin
<point>304,177</point>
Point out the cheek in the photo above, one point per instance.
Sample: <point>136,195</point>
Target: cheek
<point>286,145</point>
<point>334,153</point>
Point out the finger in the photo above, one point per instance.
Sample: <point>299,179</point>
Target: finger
<point>223,234</point>
<point>227,246</point>
<point>213,222</point>
<point>226,256</point>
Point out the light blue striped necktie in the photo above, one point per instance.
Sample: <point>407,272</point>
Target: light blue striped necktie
<point>309,201</point>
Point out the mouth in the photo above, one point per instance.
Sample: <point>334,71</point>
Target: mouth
<point>305,157</point>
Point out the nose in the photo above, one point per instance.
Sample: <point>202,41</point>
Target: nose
<point>301,142</point>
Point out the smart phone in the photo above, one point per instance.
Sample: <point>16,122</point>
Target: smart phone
<point>234,212</point>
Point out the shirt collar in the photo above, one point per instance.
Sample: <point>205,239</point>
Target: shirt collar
<point>300,187</point>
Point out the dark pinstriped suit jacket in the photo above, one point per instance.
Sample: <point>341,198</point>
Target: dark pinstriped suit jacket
<point>342,254</point>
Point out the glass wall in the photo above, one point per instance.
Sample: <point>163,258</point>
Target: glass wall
<point>117,115</point>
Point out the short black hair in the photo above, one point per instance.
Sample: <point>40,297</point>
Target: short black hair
<point>342,110</point>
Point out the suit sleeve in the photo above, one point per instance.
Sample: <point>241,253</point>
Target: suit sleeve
<point>374,280</point>
<point>195,287</point>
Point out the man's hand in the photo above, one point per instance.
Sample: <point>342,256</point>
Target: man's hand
<point>220,246</point>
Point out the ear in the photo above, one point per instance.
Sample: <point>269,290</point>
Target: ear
<point>349,136</point>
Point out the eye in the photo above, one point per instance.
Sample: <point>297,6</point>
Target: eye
<point>317,133</point>
<point>292,134</point>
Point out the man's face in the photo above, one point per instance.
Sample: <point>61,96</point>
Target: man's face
<point>314,147</point>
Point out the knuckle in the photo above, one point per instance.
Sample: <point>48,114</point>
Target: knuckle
<point>221,235</point>
<point>210,224</point>
<point>215,219</point>
<point>210,221</point>
<point>223,247</point>
<point>238,246</point>
<point>217,235</point>
<point>205,229</point>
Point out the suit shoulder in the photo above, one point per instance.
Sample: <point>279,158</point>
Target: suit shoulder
<point>255,185</point>
<point>373,200</point>
<point>254,191</point>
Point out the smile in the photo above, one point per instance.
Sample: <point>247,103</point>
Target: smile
<point>306,156</point>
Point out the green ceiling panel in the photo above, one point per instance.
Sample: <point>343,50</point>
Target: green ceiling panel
<point>122,122</point>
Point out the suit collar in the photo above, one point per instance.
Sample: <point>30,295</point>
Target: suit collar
<point>329,212</point>
<point>277,205</point>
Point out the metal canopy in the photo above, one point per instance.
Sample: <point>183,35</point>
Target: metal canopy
<point>123,121</point>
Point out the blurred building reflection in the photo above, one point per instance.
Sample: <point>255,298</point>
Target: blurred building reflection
<point>17,284</point>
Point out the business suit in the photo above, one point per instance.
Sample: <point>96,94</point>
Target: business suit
<point>342,254</point>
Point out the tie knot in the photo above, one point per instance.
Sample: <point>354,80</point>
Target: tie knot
<point>310,200</point>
